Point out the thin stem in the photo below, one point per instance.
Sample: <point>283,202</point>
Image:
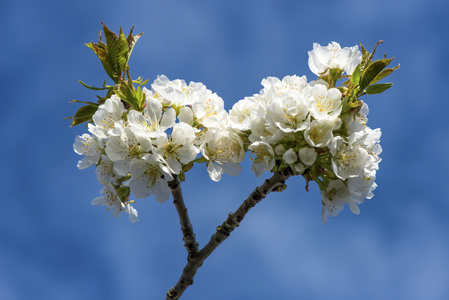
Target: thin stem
<point>233,220</point>
<point>189,237</point>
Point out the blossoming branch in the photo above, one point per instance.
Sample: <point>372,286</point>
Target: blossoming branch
<point>142,141</point>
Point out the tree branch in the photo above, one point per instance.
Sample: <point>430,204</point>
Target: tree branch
<point>189,237</point>
<point>233,220</point>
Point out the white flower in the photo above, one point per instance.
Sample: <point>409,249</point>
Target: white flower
<point>152,123</point>
<point>307,155</point>
<point>263,159</point>
<point>126,148</point>
<point>88,146</point>
<point>263,131</point>
<point>112,201</point>
<point>289,113</point>
<point>324,103</point>
<point>274,87</point>
<point>176,92</point>
<point>362,187</point>
<point>285,103</point>
<point>348,160</point>
<point>245,111</point>
<point>224,150</point>
<point>319,134</point>
<point>106,117</point>
<point>149,176</point>
<point>179,148</point>
<point>322,58</point>
<point>105,169</point>
<point>334,198</point>
<point>210,110</point>
<point>369,140</point>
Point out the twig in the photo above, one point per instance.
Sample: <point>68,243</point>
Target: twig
<point>233,220</point>
<point>189,237</point>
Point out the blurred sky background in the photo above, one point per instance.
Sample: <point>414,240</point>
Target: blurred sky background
<point>55,245</point>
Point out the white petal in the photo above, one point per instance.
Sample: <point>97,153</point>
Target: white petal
<point>289,157</point>
<point>161,191</point>
<point>215,171</point>
<point>185,115</point>
<point>169,118</point>
<point>231,168</point>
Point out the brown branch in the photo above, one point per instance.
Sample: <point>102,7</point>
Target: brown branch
<point>233,220</point>
<point>189,237</point>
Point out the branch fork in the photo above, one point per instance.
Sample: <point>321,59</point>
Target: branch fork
<point>195,256</point>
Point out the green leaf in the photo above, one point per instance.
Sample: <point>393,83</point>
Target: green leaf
<point>102,52</point>
<point>128,93</point>
<point>123,52</point>
<point>85,102</point>
<point>140,97</point>
<point>385,73</point>
<point>372,70</point>
<point>93,88</point>
<point>355,77</point>
<point>132,39</point>
<point>114,55</point>
<point>378,88</point>
<point>117,51</point>
<point>364,51</point>
<point>349,103</point>
<point>84,114</point>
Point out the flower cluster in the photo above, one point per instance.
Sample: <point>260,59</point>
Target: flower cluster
<point>312,128</point>
<point>141,151</point>
<point>296,124</point>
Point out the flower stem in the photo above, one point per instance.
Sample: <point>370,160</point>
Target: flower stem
<point>195,259</point>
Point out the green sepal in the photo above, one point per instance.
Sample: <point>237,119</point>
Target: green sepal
<point>123,192</point>
<point>202,160</point>
<point>279,188</point>
<point>182,176</point>
<point>326,78</point>
<point>373,70</point>
<point>84,114</point>
<point>335,75</point>
<point>378,88</point>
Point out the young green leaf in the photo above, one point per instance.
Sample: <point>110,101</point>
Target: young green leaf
<point>372,70</point>
<point>378,88</point>
<point>128,93</point>
<point>355,77</point>
<point>385,73</point>
<point>84,114</point>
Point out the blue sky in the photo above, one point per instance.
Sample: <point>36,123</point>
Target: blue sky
<point>55,245</point>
